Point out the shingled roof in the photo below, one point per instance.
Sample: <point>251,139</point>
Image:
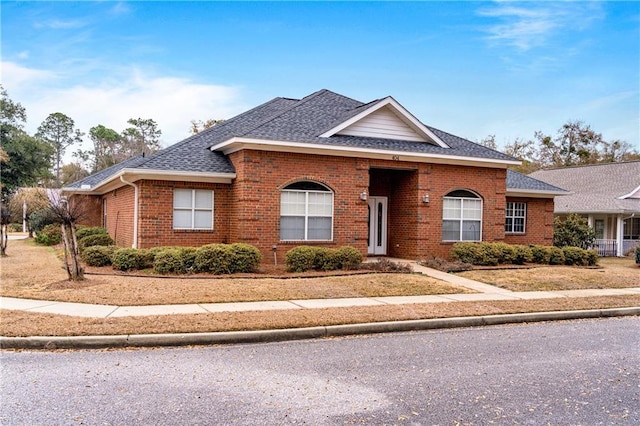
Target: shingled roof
<point>600,188</point>
<point>300,122</point>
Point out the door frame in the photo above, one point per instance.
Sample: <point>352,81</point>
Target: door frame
<point>377,240</point>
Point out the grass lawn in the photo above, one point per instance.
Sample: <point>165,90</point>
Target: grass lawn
<point>612,272</point>
<point>36,272</point>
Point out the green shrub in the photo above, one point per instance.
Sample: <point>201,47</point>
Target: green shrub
<point>246,258</point>
<point>540,254</point>
<point>125,259</point>
<point>556,256</point>
<point>521,255</point>
<point>477,253</point>
<point>305,258</point>
<point>98,255</point>
<point>85,231</point>
<point>348,257</point>
<point>503,252</point>
<point>214,258</point>
<point>94,240</point>
<point>169,260</point>
<point>301,258</point>
<point>49,235</point>
<point>579,257</point>
<point>573,231</point>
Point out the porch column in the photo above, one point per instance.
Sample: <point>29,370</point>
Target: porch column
<point>590,220</point>
<point>619,236</point>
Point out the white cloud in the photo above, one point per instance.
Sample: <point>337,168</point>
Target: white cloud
<point>171,101</point>
<point>60,24</point>
<point>531,25</point>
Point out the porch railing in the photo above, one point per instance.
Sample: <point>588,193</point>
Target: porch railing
<point>608,247</point>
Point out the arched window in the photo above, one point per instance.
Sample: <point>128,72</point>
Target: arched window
<point>462,216</point>
<point>306,212</point>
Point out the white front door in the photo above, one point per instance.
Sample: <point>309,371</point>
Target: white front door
<point>378,225</point>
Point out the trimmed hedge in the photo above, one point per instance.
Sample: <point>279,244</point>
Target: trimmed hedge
<point>85,231</point>
<point>492,254</point>
<point>305,258</point>
<point>50,235</point>
<point>227,258</point>
<point>175,260</point>
<point>94,240</point>
<point>98,255</point>
<point>126,259</point>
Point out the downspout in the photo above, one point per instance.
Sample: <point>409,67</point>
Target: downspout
<point>135,210</point>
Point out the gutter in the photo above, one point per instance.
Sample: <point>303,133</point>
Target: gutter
<point>135,209</point>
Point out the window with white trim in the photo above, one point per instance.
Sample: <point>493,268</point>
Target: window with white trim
<point>461,216</point>
<point>192,209</point>
<point>306,212</point>
<point>515,218</point>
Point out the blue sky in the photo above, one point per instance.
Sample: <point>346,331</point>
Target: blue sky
<point>470,68</point>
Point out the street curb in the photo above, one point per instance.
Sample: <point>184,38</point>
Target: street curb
<point>260,336</point>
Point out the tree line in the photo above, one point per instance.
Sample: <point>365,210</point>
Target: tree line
<point>574,144</point>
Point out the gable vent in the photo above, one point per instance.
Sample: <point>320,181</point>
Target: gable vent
<point>385,124</point>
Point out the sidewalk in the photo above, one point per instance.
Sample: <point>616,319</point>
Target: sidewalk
<point>485,292</point>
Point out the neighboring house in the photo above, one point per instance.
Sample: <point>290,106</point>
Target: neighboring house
<point>324,170</point>
<point>608,195</point>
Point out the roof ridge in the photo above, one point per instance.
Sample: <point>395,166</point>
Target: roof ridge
<point>280,113</point>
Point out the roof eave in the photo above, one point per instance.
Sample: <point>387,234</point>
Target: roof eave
<point>238,143</point>
<point>534,193</point>
<point>133,175</point>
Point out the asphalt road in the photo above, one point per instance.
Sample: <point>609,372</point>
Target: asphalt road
<point>564,373</point>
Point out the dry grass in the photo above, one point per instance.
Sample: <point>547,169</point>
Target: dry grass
<point>18,323</point>
<point>35,272</point>
<point>612,273</point>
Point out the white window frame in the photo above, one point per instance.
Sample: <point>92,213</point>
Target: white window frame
<point>307,215</point>
<point>461,219</point>
<point>193,209</point>
<point>513,217</point>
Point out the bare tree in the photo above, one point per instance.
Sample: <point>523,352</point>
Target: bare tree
<point>67,215</point>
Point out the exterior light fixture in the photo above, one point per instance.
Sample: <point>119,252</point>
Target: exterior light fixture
<point>363,196</point>
<point>425,198</point>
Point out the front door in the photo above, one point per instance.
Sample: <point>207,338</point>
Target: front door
<point>378,225</point>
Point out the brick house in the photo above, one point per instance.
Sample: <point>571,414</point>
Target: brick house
<point>325,170</point>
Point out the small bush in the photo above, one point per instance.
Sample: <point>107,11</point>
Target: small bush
<point>98,255</point>
<point>579,257</point>
<point>478,253</point>
<point>305,258</point>
<point>89,230</point>
<point>540,254</point>
<point>521,255</point>
<point>126,259</point>
<point>214,258</point>
<point>573,231</point>
<point>50,235</point>
<point>169,260</point>
<point>246,258</point>
<point>556,256</point>
<point>301,258</point>
<point>348,257</point>
<point>94,240</point>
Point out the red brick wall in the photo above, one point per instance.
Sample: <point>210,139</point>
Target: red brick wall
<point>539,224</point>
<point>255,197</point>
<point>119,220</point>
<point>155,215</point>
<point>91,208</point>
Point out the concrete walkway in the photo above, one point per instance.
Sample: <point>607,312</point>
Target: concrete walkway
<point>485,292</point>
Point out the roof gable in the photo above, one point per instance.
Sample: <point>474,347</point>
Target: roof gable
<point>385,119</point>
